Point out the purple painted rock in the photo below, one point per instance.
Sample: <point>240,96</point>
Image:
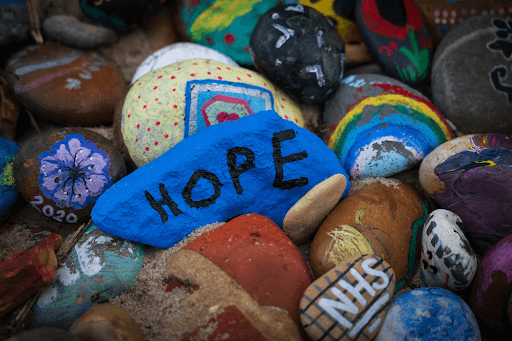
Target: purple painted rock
<point>493,286</point>
<point>472,176</point>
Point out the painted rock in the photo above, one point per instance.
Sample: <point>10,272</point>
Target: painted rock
<point>397,37</point>
<point>482,44</point>
<point>379,127</point>
<point>27,263</point>
<point>65,85</point>
<point>99,267</point>
<point>350,301</point>
<point>44,334</point>
<point>14,22</point>
<point>9,112</point>
<point>214,175</point>
<point>383,218</point>
<point>119,14</point>
<point>164,107</point>
<point>104,322</point>
<point>509,309</point>
<point>8,188</point>
<point>304,218</point>
<point>471,176</point>
<point>447,259</point>
<point>341,13</point>
<point>429,314</point>
<point>69,30</point>
<point>299,50</point>
<point>225,26</point>
<point>62,172</point>
<point>178,52</point>
<point>492,286</point>
<point>248,277</point>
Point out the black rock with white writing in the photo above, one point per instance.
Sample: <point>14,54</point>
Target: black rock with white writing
<point>300,50</point>
<point>472,75</point>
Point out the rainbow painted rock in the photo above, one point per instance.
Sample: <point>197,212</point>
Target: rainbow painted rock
<point>171,103</point>
<point>379,126</point>
<point>472,176</point>
<point>8,188</point>
<point>98,267</point>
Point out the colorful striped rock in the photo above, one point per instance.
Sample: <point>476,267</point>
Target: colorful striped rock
<point>350,301</point>
<point>472,176</point>
<point>246,278</point>
<point>8,189</point>
<point>169,104</point>
<point>99,267</point>
<point>447,259</point>
<point>379,127</point>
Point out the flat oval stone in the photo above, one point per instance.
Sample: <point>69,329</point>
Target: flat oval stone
<point>215,175</point>
<point>65,85</point>
<point>98,267</point>
<point>304,218</point>
<point>471,176</point>
<point>379,126</point>
<point>384,219</point>
<point>176,53</point>
<point>350,301</point>
<point>63,171</point>
<point>447,259</point>
<point>429,314</point>
<point>166,106</point>
<point>8,188</point>
<point>481,44</point>
<point>299,50</point>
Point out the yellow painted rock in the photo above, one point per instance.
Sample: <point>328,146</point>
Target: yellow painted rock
<point>171,103</point>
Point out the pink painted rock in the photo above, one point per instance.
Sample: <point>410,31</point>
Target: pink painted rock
<point>247,278</point>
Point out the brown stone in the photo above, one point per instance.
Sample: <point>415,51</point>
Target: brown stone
<point>105,322</point>
<point>27,262</point>
<point>64,85</point>
<point>381,219</point>
<point>9,112</point>
<point>118,135</point>
<point>160,29</point>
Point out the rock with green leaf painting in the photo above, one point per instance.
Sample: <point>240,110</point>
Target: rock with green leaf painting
<point>8,188</point>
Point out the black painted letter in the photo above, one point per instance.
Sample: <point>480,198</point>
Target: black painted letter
<point>235,171</point>
<point>496,75</point>
<point>166,200</point>
<point>280,160</point>
<point>187,192</point>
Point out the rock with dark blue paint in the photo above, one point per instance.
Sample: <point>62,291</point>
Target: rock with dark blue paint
<point>258,164</point>
<point>8,188</point>
<point>99,267</point>
<point>429,314</point>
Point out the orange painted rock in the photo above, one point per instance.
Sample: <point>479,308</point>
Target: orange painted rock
<point>350,301</point>
<point>247,278</point>
<point>385,219</point>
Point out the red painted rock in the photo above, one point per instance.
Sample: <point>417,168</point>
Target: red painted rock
<point>247,277</point>
<point>65,85</point>
<point>27,263</point>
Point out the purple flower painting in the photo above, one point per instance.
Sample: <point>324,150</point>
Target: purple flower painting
<point>74,173</point>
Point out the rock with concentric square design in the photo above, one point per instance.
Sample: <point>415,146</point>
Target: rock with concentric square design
<point>350,301</point>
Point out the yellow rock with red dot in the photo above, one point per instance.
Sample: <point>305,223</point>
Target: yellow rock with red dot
<point>171,103</point>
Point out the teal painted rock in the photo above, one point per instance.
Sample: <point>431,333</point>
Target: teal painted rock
<point>8,188</point>
<point>98,267</point>
<point>257,164</point>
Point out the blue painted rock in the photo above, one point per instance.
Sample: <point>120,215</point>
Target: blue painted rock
<point>99,267</point>
<point>176,53</point>
<point>350,301</point>
<point>397,38</point>
<point>162,108</point>
<point>14,22</point>
<point>379,126</point>
<point>8,188</point>
<point>471,175</point>
<point>259,164</point>
<point>300,50</point>
<point>426,314</point>
<point>447,259</point>
<point>67,86</point>
<point>482,44</point>
<point>62,172</point>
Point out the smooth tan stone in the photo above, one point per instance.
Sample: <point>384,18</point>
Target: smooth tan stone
<point>304,218</point>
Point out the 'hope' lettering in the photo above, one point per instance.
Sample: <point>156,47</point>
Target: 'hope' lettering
<point>235,172</point>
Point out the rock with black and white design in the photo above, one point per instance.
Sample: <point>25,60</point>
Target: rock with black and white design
<point>350,301</point>
<point>474,62</point>
<point>446,256</point>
